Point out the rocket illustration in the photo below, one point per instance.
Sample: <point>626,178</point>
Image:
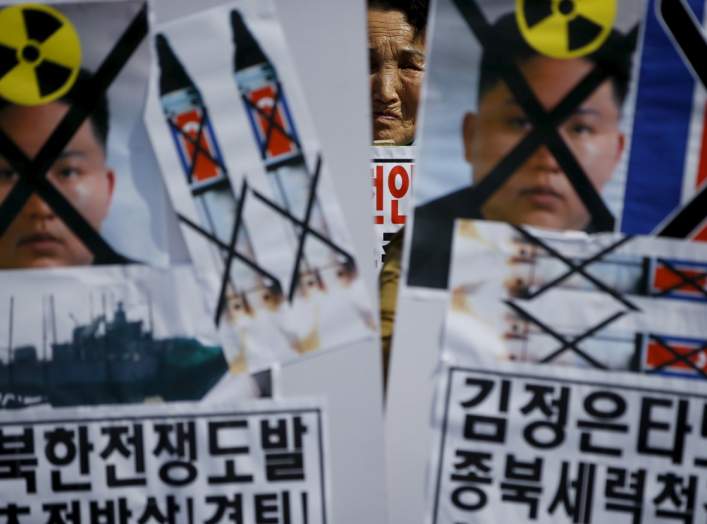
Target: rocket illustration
<point>206,173</point>
<point>281,151</point>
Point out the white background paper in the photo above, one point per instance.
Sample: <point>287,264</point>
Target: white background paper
<point>328,41</point>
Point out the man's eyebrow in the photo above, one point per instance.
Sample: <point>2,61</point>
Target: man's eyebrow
<point>71,153</point>
<point>586,111</point>
<point>583,111</point>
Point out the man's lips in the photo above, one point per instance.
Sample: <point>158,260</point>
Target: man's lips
<point>39,241</point>
<point>542,196</point>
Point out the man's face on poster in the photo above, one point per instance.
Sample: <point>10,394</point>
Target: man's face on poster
<point>37,237</point>
<point>539,193</point>
<point>397,62</point>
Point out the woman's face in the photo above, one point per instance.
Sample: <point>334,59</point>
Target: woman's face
<point>397,65</point>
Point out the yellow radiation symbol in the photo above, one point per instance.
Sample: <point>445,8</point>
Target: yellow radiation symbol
<point>40,54</point>
<point>565,28</point>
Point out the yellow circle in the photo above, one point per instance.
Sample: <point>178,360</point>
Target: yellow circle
<point>565,28</point>
<point>40,54</point>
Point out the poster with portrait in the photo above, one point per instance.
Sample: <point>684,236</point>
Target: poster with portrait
<point>71,75</point>
<point>584,151</point>
<point>98,296</point>
<point>490,139</point>
<point>613,143</point>
<point>250,185</point>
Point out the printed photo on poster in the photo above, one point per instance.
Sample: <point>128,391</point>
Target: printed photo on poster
<point>78,184</point>
<point>117,336</point>
<point>607,302</point>
<point>502,141</point>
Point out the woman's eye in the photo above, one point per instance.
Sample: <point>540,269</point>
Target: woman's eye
<point>413,66</point>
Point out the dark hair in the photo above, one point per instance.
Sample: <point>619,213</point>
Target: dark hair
<point>510,46</point>
<point>99,118</point>
<point>415,11</point>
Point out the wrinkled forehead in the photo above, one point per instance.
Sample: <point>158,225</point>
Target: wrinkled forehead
<point>29,127</point>
<point>391,25</point>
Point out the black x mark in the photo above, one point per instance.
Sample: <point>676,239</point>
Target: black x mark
<point>294,281</point>
<point>677,356</point>
<point>567,344</point>
<point>271,124</point>
<point>232,254</point>
<point>578,268</point>
<point>302,225</point>
<point>32,172</point>
<point>198,149</point>
<point>692,281</point>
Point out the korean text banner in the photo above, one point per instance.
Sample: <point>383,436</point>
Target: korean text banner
<point>529,444</point>
<point>570,115</point>
<point>393,168</point>
<point>178,463</point>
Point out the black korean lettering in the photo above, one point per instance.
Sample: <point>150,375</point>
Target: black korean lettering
<point>178,440</point>
<point>624,492</point>
<point>673,424</point>
<point>226,508</point>
<point>284,456</point>
<point>701,462</point>
<point>17,457</point>
<point>480,427</point>
<point>127,441</point>
<point>275,436</point>
<point>220,433</point>
<point>553,407</point>
<point>522,483</point>
<point>485,388</point>
<point>63,512</point>
<point>154,513</point>
<point>109,511</point>
<point>575,495</point>
<point>272,508</point>
<point>62,448</point>
<point>676,500</point>
<point>12,513</point>
<point>471,472</point>
<point>604,408</point>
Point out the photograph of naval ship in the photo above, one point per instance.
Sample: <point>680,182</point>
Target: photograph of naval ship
<point>111,359</point>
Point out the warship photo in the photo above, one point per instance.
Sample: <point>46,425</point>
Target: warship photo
<point>111,359</point>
